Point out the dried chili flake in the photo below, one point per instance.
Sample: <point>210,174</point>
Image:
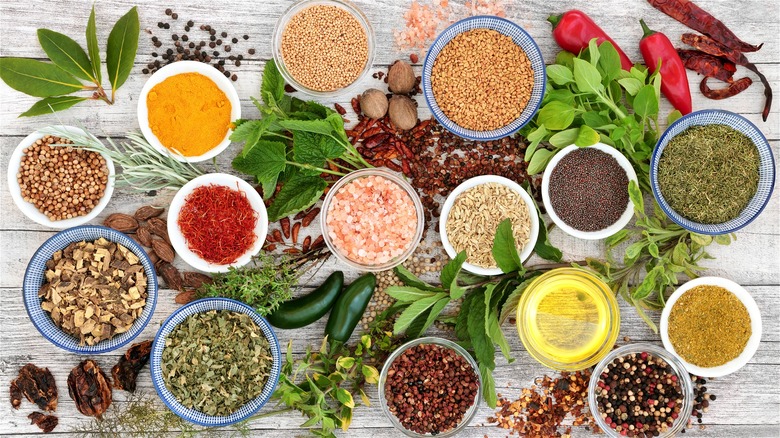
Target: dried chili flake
<point>126,370</point>
<point>37,385</point>
<point>218,223</point>
<point>47,423</point>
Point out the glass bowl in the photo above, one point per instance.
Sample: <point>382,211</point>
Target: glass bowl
<point>387,174</point>
<point>766,169</point>
<point>281,24</point>
<point>541,348</point>
<point>522,39</point>
<point>470,413</point>
<point>679,370</point>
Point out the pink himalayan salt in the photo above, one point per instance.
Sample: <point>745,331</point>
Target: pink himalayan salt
<point>371,220</point>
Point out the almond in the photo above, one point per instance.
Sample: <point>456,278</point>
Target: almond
<point>121,222</point>
<point>163,250</point>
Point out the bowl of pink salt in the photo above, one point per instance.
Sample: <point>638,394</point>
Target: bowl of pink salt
<point>373,219</point>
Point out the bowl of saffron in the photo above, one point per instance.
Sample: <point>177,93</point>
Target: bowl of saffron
<point>217,221</point>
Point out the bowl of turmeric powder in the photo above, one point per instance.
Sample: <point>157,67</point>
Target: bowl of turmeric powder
<point>186,108</point>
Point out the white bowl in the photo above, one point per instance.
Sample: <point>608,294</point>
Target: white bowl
<point>174,69</point>
<point>588,235</point>
<point>29,209</point>
<point>219,179</point>
<point>476,181</point>
<point>755,326</point>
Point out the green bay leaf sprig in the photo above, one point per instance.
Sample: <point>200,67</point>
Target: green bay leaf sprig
<point>293,144</point>
<point>71,64</point>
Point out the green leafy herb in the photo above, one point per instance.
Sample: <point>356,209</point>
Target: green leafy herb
<point>294,143</point>
<point>505,248</point>
<point>71,64</point>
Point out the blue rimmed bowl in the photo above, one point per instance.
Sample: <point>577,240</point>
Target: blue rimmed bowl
<point>34,278</point>
<point>522,39</point>
<point>766,169</point>
<point>195,416</point>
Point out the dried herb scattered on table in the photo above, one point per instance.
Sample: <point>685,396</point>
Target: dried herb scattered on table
<point>216,361</point>
<point>126,370</point>
<point>47,423</point>
<point>35,384</point>
<point>89,387</point>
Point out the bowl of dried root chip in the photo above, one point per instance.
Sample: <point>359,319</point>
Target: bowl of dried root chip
<point>215,362</point>
<point>90,289</point>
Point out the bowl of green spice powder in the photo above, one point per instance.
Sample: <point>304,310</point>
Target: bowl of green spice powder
<point>712,325</point>
<point>215,362</point>
<point>712,172</point>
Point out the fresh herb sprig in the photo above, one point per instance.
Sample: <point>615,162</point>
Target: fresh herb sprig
<point>590,99</point>
<point>661,249</point>
<point>56,82</point>
<point>294,143</point>
<point>144,168</point>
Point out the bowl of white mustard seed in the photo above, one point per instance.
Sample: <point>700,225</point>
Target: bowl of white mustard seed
<point>323,47</point>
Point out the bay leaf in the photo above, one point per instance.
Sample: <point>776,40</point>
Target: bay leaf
<point>92,46</point>
<point>121,49</point>
<point>36,78</point>
<point>66,53</point>
<point>51,104</point>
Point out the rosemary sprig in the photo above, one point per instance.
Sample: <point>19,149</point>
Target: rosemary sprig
<point>144,168</point>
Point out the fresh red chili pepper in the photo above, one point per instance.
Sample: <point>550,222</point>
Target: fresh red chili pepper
<point>687,13</point>
<point>733,89</point>
<point>573,31</point>
<point>708,65</point>
<point>709,45</point>
<point>655,47</point>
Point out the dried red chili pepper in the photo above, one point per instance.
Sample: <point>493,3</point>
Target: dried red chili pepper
<point>573,31</point>
<point>708,65</point>
<point>687,13</point>
<point>709,45</point>
<point>655,47</point>
<point>733,89</point>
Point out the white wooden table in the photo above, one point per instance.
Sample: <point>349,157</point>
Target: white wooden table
<point>748,402</point>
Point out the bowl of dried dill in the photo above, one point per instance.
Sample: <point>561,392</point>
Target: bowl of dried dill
<point>712,172</point>
<point>215,362</point>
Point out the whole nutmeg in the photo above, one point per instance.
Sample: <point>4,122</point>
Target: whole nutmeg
<point>403,112</point>
<point>373,103</point>
<point>400,78</point>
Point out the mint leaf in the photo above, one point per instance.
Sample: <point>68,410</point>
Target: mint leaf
<point>408,294</point>
<point>543,247</point>
<point>483,346</point>
<point>265,161</point>
<point>316,126</point>
<point>410,279</point>
<point>510,305</point>
<point>493,328</point>
<point>272,88</point>
<point>314,149</point>
<point>450,272</point>
<point>505,248</point>
<point>414,310</point>
<point>298,193</point>
<point>489,386</point>
<point>461,321</point>
<point>433,314</point>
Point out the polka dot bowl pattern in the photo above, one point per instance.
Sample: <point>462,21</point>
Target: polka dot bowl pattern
<point>192,415</point>
<point>766,169</point>
<point>34,279</point>
<point>522,39</point>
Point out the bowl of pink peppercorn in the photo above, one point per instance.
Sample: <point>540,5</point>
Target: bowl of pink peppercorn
<point>373,219</point>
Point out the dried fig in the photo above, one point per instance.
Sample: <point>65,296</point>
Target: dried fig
<point>373,103</point>
<point>400,78</point>
<point>403,112</point>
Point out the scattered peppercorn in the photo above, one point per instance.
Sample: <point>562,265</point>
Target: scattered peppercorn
<point>234,78</point>
<point>246,37</point>
<point>234,40</point>
<point>175,16</point>
<point>251,51</point>
<point>168,11</point>
<point>224,34</point>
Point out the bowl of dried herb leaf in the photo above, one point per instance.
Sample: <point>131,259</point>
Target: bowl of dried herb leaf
<point>712,172</point>
<point>90,289</point>
<point>215,362</point>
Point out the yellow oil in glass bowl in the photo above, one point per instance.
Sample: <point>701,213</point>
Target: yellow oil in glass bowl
<point>568,319</point>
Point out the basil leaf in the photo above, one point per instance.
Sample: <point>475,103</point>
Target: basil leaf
<point>593,52</point>
<point>121,48</point>
<point>556,115</point>
<point>272,88</point>
<point>631,85</point>
<point>587,77</point>
<point>51,104</point>
<point>265,161</point>
<point>559,74</point>
<point>66,53</point>
<point>410,279</point>
<point>646,102</point>
<point>408,294</point>
<point>298,193</point>
<point>564,138</point>
<point>93,48</point>
<point>539,161</point>
<point>414,310</point>
<point>505,249</point>
<point>36,78</point>
<point>609,61</point>
<point>449,273</point>
<point>586,136</point>
<point>314,149</point>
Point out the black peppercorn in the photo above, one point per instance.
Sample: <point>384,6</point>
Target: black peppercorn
<point>238,63</point>
<point>154,39</point>
<point>160,24</point>
<point>212,31</point>
<point>185,38</point>
<point>216,53</point>
<point>234,78</point>
<point>227,48</point>
<point>227,74</point>
<point>166,26</point>
<point>154,54</point>
<point>190,23</point>
<point>246,37</point>
<point>240,57</point>
<point>224,34</point>
<point>212,44</point>
<point>145,71</point>
<point>251,51</point>
<point>235,40</point>
<point>175,16</point>
<point>168,11</point>
<point>219,42</point>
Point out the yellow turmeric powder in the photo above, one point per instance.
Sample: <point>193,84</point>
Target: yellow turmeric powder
<point>188,113</point>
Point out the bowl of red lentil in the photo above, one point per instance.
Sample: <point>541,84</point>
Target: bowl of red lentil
<point>585,191</point>
<point>323,47</point>
<point>59,187</point>
<point>484,78</point>
<point>217,222</point>
<point>373,219</point>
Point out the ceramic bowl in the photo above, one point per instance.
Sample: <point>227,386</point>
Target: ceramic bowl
<point>174,69</point>
<point>276,45</point>
<point>624,219</point>
<point>221,179</point>
<point>522,39</point>
<point>29,209</point>
<point>192,415</point>
<point>476,181</point>
<point>766,169</point>
<point>467,417</point>
<point>34,278</point>
<point>755,326</point>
